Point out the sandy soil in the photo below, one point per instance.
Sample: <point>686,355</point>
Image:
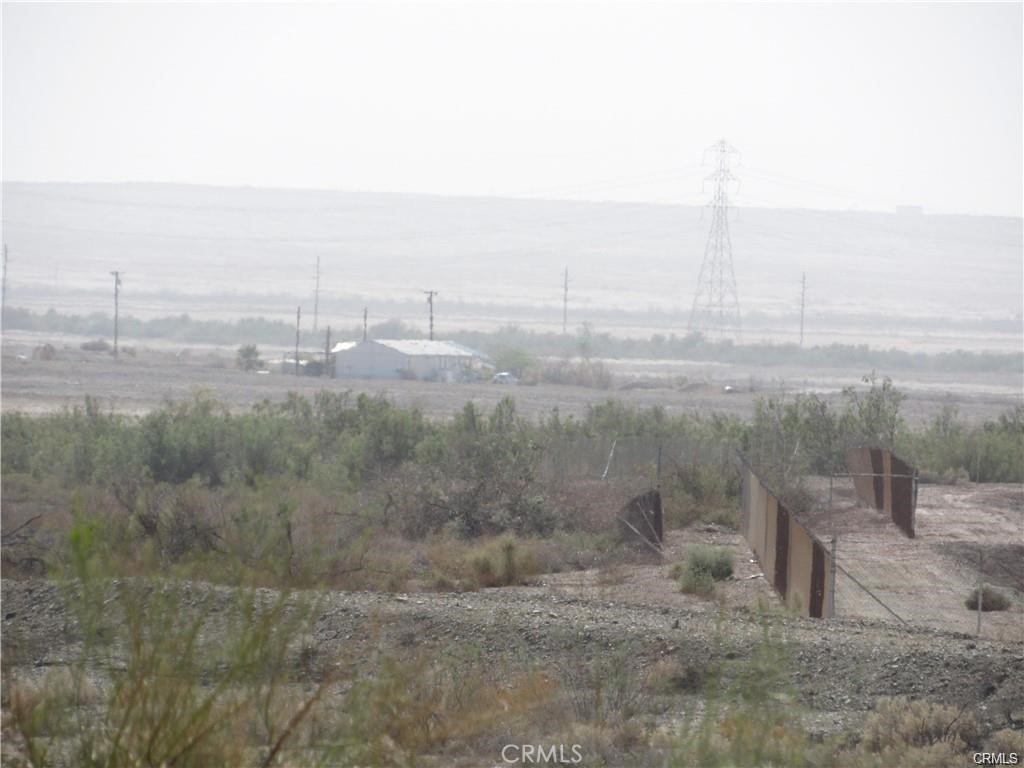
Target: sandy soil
<point>963,534</point>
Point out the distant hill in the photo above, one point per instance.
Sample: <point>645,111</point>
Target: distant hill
<point>216,251</point>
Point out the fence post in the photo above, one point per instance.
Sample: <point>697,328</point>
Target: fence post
<point>611,455</point>
<point>981,585</point>
<point>832,568</point>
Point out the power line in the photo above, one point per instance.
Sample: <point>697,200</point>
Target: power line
<point>716,305</point>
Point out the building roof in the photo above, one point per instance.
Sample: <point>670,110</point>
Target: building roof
<point>416,347</point>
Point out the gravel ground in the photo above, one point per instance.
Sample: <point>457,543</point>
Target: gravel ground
<point>837,667</point>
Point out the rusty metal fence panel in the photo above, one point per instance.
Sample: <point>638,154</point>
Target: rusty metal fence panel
<point>792,559</point>
<point>885,482</point>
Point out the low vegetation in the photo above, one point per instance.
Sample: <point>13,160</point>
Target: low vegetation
<point>129,513</point>
<point>519,349</point>
<point>991,599</point>
<point>702,567</point>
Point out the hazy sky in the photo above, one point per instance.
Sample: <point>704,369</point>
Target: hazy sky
<point>839,106</point>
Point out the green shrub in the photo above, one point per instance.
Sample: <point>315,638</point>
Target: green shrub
<point>991,600</point>
<point>694,582</point>
<point>715,561</point>
<point>703,566</point>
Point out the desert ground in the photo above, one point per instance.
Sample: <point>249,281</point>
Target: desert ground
<point>151,374</point>
<point>836,668</point>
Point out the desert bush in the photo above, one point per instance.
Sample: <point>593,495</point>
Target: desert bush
<point>1006,742</point>
<point>606,689</point>
<point>703,566</point>
<point>182,690</point>
<point>694,582</point>
<point>500,562</point>
<point>248,358</point>
<point>669,676</point>
<point>481,476</point>
<point>408,708</point>
<point>98,345</point>
<point>716,561</point>
<point>584,373</point>
<point>991,599</point>
<point>899,723</point>
<point>707,492</point>
<point>750,719</point>
<point>950,449</point>
<point>873,416</point>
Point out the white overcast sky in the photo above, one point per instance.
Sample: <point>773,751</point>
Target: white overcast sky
<point>838,106</point>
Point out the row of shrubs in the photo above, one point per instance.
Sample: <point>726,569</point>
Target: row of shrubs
<point>312,489</point>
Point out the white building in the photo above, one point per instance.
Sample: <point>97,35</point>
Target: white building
<point>407,359</point>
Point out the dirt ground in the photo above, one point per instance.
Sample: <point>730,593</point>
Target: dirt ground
<point>964,534</point>
<point>836,667</point>
<point>143,380</point>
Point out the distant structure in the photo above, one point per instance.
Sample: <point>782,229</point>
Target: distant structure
<point>423,359</point>
<point>716,304</point>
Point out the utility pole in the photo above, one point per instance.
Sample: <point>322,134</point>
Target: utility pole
<point>364,323</point>
<point>117,288</point>
<point>803,294</point>
<point>565,302</point>
<point>316,296</point>
<point>3,285</point>
<point>716,304</point>
<point>327,353</point>
<point>298,321</point>
<point>430,301</point>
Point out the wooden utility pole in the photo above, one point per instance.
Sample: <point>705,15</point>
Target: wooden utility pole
<point>327,353</point>
<point>364,323</point>
<point>316,296</point>
<point>298,321</point>
<point>565,302</point>
<point>430,301</point>
<point>803,295</point>
<point>117,287</point>
<point>3,286</point>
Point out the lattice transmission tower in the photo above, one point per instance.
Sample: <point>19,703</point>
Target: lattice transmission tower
<point>716,304</point>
